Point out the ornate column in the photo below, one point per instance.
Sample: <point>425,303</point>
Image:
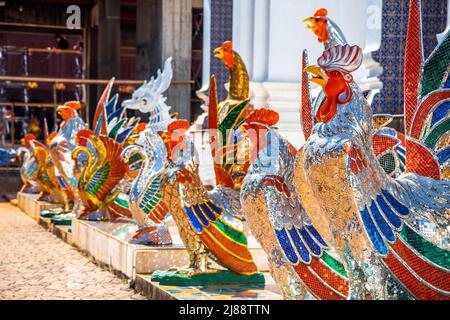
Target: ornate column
<point>221,29</point>
<point>391,52</point>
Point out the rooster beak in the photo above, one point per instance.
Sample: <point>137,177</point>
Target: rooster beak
<point>218,53</point>
<point>311,23</point>
<point>317,75</point>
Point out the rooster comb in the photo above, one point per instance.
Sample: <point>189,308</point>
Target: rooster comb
<point>178,124</point>
<point>29,137</point>
<point>342,58</point>
<point>76,105</point>
<point>321,12</point>
<point>227,44</point>
<point>265,116</point>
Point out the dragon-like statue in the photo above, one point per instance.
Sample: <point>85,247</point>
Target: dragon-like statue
<point>144,200</point>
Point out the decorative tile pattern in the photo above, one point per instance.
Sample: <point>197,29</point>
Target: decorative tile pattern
<point>392,49</point>
<point>221,30</point>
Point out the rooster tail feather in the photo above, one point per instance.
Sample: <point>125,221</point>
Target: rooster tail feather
<point>421,266</point>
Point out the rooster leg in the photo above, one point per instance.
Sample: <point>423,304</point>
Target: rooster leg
<point>291,286</point>
<point>86,212</point>
<point>367,281</point>
<point>65,201</point>
<point>198,264</point>
<point>201,264</point>
<point>190,268</point>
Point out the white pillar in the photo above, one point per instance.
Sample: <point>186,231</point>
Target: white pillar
<point>270,36</point>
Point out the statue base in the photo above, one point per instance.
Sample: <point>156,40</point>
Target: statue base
<point>221,277</point>
<point>29,204</point>
<point>52,213</point>
<point>63,219</point>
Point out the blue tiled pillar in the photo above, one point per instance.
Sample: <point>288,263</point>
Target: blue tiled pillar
<point>221,30</point>
<point>392,49</point>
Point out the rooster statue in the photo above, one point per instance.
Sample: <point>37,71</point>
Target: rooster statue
<point>205,220</point>
<point>239,80</point>
<point>382,227</point>
<point>144,200</point>
<point>298,256</point>
<point>325,29</point>
<point>387,142</point>
<point>47,180</point>
<point>100,176</point>
<point>224,119</point>
<point>60,150</point>
<point>103,170</point>
<point>29,168</point>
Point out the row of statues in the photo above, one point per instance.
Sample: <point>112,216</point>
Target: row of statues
<point>361,211</point>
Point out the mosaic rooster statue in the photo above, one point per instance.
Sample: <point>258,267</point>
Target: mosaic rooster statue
<point>206,225</point>
<point>223,122</point>
<point>381,227</point>
<point>99,178</point>
<point>298,256</point>
<point>387,142</point>
<point>29,168</point>
<point>98,181</point>
<point>60,150</point>
<point>47,180</point>
<point>326,30</point>
<point>144,201</point>
<point>239,80</point>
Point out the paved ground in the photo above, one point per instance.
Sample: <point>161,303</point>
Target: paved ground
<point>35,264</point>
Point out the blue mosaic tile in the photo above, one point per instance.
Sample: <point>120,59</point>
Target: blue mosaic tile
<point>221,30</point>
<point>392,48</point>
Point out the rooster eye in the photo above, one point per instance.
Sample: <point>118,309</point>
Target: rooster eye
<point>334,73</point>
<point>144,101</point>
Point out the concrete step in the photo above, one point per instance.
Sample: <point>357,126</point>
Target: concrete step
<point>29,204</point>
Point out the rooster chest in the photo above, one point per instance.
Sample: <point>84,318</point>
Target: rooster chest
<point>332,189</point>
<point>171,196</point>
<point>258,220</point>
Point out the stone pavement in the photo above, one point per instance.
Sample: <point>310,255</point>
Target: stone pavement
<point>35,264</point>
